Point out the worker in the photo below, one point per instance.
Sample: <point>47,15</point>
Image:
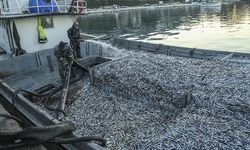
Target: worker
<point>74,36</point>
<point>64,55</point>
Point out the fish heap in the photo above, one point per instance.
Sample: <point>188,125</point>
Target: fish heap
<point>217,118</point>
<point>152,79</point>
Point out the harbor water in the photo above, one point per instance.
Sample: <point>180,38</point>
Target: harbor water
<point>225,27</point>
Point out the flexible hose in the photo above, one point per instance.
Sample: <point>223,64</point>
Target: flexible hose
<point>58,141</point>
<point>52,93</point>
<point>11,117</point>
<point>12,146</point>
<point>78,139</point>
<point>46,102</point>
<point>63,99</point>
<point>26,92</point>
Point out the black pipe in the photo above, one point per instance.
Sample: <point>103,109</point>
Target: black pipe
<point>61,105</point>
<point>54,92</point>
<point>11,117</point>
<point>12,146</point>
<point>79,139</point>
<point>35,135</point>
<point>48,98</point>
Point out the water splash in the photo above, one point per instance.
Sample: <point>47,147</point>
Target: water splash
<point>108,50</point>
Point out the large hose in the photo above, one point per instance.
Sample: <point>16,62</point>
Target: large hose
<point>37,135</point>
<point>61,105</point>
<point>32,136</point>
<point>12,146</point>
<point>79,139</point>
<point>76,64</point>
<point>46,101</point>
<point>26,92</point>
<point>11,117</point>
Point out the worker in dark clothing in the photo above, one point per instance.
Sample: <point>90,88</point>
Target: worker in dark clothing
<point>74,36</point>
<point>64,55</point>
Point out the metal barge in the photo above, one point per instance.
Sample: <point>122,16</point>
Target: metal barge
<point>40,75</point>
<point>233,57</point>
<point>26,78</point>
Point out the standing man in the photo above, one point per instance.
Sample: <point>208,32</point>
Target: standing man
<point>74,36</point>
<point>64,55</point>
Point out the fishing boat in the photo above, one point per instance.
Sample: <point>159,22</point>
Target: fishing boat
<point>32,28</point>
<point>29,26</point>
<point>35,75</point>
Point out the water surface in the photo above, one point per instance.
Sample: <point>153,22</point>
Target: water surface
<point>219,28</point>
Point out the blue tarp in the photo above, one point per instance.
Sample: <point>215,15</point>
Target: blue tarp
<point>43,6</point>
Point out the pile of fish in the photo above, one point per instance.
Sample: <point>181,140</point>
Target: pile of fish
<point>218,117</point>
<point>153,79</point>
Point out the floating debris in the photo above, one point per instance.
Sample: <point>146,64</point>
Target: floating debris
<point>219,118</point>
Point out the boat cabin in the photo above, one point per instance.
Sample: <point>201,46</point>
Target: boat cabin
<point>28,26</point>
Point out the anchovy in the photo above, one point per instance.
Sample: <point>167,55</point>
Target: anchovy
<point>135,104</point>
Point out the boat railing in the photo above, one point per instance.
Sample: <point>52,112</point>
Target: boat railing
<point>79,6</point>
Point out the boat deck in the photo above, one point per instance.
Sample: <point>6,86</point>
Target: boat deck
<point>34,79</point>
<point>96,110</point>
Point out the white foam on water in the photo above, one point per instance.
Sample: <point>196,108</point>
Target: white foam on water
<point>108,50</point>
